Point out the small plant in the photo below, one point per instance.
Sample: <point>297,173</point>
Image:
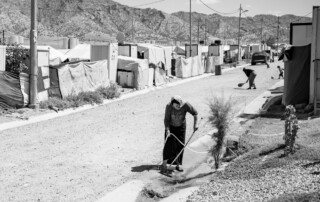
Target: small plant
<point>291,128</point>
<point>77,100</point>
<point>220,117</point>
<point>109,92</point>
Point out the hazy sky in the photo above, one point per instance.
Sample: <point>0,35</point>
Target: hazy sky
<point>254,7</point>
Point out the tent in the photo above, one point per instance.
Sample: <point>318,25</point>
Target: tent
<point>55,57</point>
<point>180,50</point>
<point>82,76</point>
<point>296,74</point>
<point>139,68</point>
<point>211,63</point>
<point>10,94</point>
<point>79,52</point>
<point>188,67</point>
<point>157,60</point>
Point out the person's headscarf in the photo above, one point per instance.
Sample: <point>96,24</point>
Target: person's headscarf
<point>178,99</point>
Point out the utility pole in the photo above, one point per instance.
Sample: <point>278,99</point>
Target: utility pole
<point>205,31</point>
<point>190,31</point>
<point>278,35</point>
<point>132,32</point>
<point>3,37</point>
<point>240,9</point>
<point>261,29</point>
<point>33,101</point>
<point>198,30</point>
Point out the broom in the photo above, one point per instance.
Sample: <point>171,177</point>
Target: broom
<point>241,84</point>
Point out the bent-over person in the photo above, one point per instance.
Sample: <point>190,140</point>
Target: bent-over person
<point>175,124</point>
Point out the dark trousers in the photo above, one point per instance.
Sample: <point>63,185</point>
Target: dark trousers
<point>172,147</point>
<point>251,79</point>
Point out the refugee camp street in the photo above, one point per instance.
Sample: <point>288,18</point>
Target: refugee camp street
<point>83,156</point>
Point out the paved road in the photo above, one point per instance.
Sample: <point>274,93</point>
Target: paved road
<point>83,156</point>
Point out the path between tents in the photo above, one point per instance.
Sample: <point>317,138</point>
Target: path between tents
<point>83,156</point>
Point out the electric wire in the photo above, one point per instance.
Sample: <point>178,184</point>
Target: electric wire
<point>221,13</point>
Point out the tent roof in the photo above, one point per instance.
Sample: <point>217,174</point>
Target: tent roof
<point>81,51</point>
<point>53,53</point>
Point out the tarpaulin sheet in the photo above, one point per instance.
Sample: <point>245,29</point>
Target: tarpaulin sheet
<point>212,61</point>
<point>154,54</point>
<point>297,76</point>
<point>10,90</point>
<point>168,55</point>
<point>80,52</point>
<point>42,85</point>
<point>156,58</point>
<point>54,90</point>
<point>189,67</point>
<point>139,67</point>
<point>82,77</point>
<point>180,50</point>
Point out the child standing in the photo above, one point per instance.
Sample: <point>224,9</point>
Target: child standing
<point>280,72</point>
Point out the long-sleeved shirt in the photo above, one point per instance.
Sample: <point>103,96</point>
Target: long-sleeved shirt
<point>248,72</point>
<point>176,117</point>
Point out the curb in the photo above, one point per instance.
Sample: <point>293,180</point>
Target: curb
<point>52,115</point>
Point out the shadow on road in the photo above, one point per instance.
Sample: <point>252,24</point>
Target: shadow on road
<point>144,168</point>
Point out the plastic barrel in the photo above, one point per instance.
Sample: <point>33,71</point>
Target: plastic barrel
<point>13,39</point>
<point>21,40</point>
<point>72,42</point>
<point>218,69</point>
<point>65,43</point>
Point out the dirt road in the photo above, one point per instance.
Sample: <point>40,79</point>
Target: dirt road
<point>83,156</point>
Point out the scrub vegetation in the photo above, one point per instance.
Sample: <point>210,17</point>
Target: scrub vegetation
<point>220,117</point>
<point>83,98</point>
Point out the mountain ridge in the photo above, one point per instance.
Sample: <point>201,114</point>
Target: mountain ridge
<point>80,18</point>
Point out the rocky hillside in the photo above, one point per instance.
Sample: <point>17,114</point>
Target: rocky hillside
<point>106,18</point>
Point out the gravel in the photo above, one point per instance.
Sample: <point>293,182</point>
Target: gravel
<point>264,178</point>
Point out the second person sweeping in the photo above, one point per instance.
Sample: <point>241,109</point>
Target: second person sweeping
<point>251,74</point>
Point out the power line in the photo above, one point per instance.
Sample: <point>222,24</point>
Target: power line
<point>301,17</point>
<point>232,12</point>
<point>154,2</point>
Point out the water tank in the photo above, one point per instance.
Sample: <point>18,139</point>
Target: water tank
<point>65,43</point>
<point>21,40</point>
<point>72,42</point>
<point>14,39</point>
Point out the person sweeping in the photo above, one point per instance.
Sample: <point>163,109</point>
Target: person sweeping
<point>175,124</point>
<point>251,74</point>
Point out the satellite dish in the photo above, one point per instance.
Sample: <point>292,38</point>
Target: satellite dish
<point>120,37</point>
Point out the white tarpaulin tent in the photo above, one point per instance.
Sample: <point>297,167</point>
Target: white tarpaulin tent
<point>79,52</point>
<point>156,59</point>
<point>180,50</point>
<point>55,56</point>
<point>139,67</point>
<point>82,77</point>
<point>189,67</point>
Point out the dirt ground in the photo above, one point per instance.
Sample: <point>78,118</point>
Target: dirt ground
<point>83,156</point>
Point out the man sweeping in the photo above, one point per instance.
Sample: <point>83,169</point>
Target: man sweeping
<point>251,74</point>
<point>175,127</point>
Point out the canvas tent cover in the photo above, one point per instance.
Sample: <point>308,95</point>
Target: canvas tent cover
<point>154,54</point>
<point>157,60</point>
<point>82,77</point>
<point>189,67</point>
<point>296,75</point>
<point>10,93</point>
<point>55,57</point>
<point>139,67</point>
<point>80,52</point>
